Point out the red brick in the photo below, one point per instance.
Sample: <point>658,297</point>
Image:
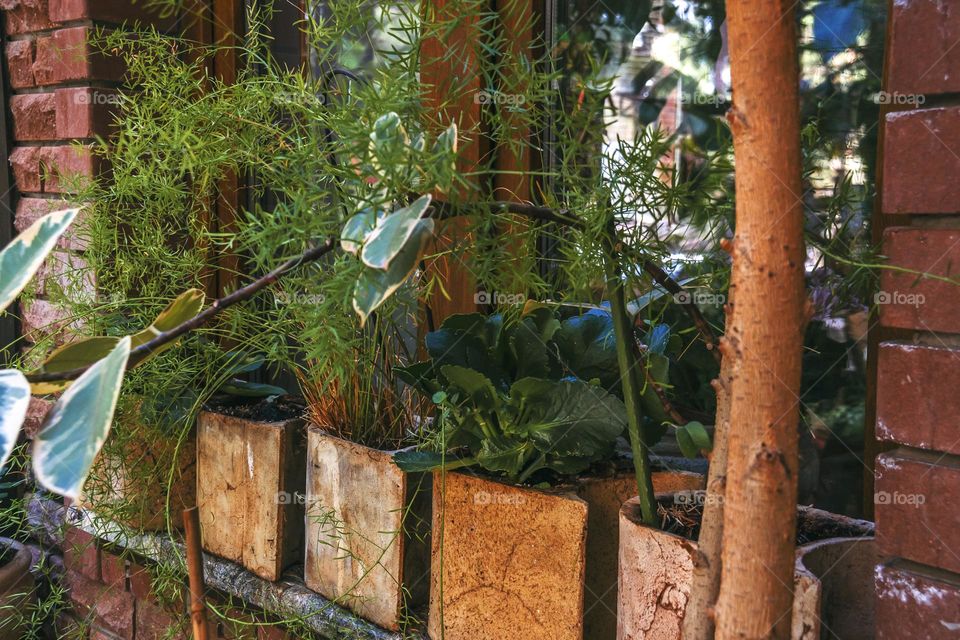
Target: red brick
<point>34,117</point>
<point>41,318</point>
<point>25,16</point>
<point>20,55</point>
<point>921,161</point>
<point>25,162</point>
<point>916,389</point>
<point>66,274</point>
<point>68,56</point>
<point>68,168</point>
<point>80,553</point>
<point>273,632</point>
<point>103,634</point>
<point>909,302</point>
<point>156,623</point>
<point>916,508</point>
<point>36,414</point>
<point>102,10</point>
<point>85,112</point>
<point>141,582</point>
<point>915,606</point>
<point>111,607</point>
<point>29,210</point>
<point>923,55</point>
<point>113,569</point>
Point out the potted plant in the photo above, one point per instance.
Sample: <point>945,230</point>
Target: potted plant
<point>529,413</point>
<point>367,520</point>
<point>656,569</point>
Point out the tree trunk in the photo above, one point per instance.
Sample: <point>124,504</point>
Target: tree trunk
<point>764,339</point>
<point>698,620</point>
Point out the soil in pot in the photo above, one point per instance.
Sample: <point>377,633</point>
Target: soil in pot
<point>510,558</point>
<point>367,530</point>
<point>251,469</point>
<point>656,565</point>
<point>17,589</point>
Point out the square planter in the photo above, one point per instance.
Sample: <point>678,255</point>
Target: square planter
<point>250,485</point>
<point>130,482</point>
<point>544,562</point>
<point>656,570</point>
<point>367,530</point>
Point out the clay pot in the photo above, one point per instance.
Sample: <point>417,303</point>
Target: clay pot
<point>17,589</point>
<point>367,530</point>
<point>250,490</point>
<point>511,560</point>
<point>656,570</point>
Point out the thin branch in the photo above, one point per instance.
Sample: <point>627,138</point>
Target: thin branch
<point>218,306</point>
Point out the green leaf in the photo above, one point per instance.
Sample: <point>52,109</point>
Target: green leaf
<point>687,447</point>
<point>587,347</point>
<point>78,424</point>
<point>571,419</point>
<point>477,386</point>
<point>14,401</point>
<point>356,229</point>
<point>245,389</point>
<point>21,258</point>
<point>508,457</point>
<point>420,461</point>
<point>659,370</point>
<point>80,353</point>
<point>184,307</point>
<point>421,376</point>
<point>447,141</point>
<point>699,436</point>
<point>393,234</point>
<point>374,286</point>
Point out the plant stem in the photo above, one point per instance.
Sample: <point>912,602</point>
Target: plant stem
<point>219,305</point>
<point>630,370</point>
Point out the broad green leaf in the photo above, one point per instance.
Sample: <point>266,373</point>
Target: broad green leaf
<point>184,307</point>
<point>510,457</point>
<point>687,447</point>
<point>421,376</point>
<point>447,141</point>
<point>420,461</point>
<point>374,286</point>
<point>477,386</point>
<point>658,367</point>
<point>356,229</point>
<point>80,353</point>
<point>78,424</point>
<point>14,401</point>
<point>21,258</point>
<point>587,348</point>
<point>393,234</point>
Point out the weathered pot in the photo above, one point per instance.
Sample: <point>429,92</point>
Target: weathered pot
<point>656,571</point>
<point>131,482</point>
<point>833,594</point>
<point>17,589</point>
<point>367,530</point>
<point>250,490</point>
<point>541,563</point>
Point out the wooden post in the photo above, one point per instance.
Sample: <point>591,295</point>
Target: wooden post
<point>198,608</point>
<point>765,337</point>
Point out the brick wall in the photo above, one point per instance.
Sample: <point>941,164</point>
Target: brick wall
<point>112,598</point>
<point>918,360</point>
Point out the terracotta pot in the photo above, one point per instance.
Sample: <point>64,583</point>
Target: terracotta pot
<point>250,490</point>
<point>367,530</point>
<point>129,479</point>
<point>656,570</point>
<point>17,589</point>
<point>509,559</point>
